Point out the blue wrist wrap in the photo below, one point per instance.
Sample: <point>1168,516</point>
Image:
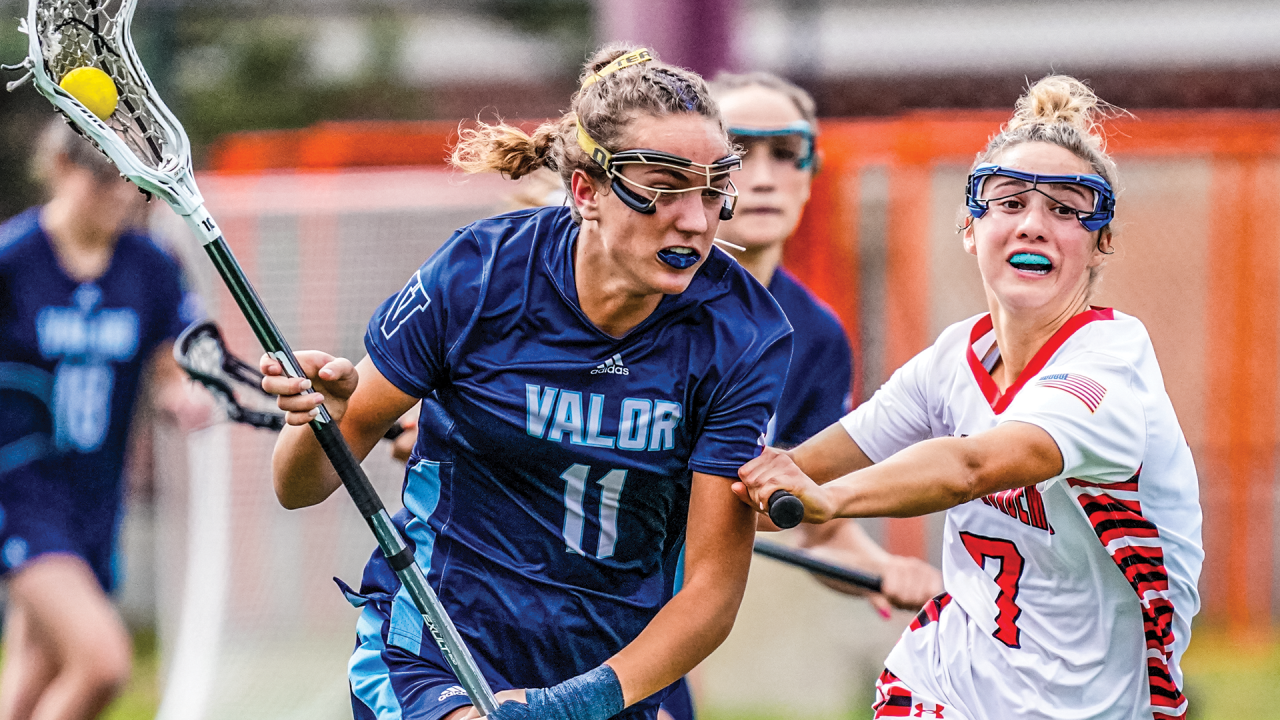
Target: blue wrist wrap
<point>595,695</point>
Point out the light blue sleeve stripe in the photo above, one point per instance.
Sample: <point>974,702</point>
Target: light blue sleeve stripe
<point>678,583</point>
<point>368,672</point>
<point>421,497</point>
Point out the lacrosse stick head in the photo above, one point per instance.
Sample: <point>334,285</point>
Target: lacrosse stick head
<point>201,352</point>
<point>141,137</point>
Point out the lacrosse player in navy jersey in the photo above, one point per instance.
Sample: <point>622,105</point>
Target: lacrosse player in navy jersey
<point>87,307</point>
<point>590,375</point>
<point>774,124</point>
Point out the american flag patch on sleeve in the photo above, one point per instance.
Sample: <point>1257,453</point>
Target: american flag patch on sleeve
<point>1088,390</point>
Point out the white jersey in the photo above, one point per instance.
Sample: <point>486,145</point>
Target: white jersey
<point>1072,598</point>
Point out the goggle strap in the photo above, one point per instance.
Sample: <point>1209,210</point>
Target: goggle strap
<point>602,157</point>
<point>800,127</point>
<point>635,57</point>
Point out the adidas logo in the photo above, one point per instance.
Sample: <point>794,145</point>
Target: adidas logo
<point>451,692</point>
<point>613,365</point>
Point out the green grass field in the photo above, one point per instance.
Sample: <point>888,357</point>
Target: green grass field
<point>1225,681</point>
<point>1228,680</point>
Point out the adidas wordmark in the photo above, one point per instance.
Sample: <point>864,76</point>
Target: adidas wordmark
<point>613,365</point>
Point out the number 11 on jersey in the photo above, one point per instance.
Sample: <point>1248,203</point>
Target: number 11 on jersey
<point>575,495</point>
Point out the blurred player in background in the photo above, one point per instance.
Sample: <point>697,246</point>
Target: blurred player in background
<point>88,307</point>
<point>590,376</point>
<point>774,122</point>
<point>1072,545</point>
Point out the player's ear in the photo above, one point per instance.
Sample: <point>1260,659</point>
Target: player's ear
<point>1103,247</point>
<point>966,235</point>
<point>586,196</point>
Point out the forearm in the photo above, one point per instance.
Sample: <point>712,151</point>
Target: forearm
<point>927,477</point>
<point>718,543</point>
<point>683,634</point>
<point>941,473</point>
<point>303,475</point>
<point>846,538</point>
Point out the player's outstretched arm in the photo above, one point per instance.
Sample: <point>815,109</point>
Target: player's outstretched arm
<point>926,477</point>
<point>907,582</point>
<point>360,400</point>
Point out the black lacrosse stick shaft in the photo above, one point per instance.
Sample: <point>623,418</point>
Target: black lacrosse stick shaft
<point>805,560</point>
<point>398,554</point>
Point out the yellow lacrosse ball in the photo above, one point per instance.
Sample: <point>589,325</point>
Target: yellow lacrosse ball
<point>93,88</point>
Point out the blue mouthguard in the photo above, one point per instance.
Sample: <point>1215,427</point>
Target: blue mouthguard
<point>679,261</point>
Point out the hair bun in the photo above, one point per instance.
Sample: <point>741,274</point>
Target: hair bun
<point>1060,99</point>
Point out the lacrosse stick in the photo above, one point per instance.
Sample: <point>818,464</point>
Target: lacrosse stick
<point>203,354</point>
<point>150,148</point>
<point>808,561</point>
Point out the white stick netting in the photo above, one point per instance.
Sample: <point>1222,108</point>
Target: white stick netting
<point>89,33</point>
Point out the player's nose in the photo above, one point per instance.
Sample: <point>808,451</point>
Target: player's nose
<point>691,217</point>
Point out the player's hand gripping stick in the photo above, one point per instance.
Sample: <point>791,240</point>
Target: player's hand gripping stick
<point>785,509</point>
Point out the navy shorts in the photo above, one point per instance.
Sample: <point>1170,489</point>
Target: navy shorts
<point>42,515</point>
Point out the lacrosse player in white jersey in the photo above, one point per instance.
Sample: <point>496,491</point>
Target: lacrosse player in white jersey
<point>1072,544</point>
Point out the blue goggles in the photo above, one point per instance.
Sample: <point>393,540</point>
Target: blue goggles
<point>794,141</point>
<point>1090,197</point>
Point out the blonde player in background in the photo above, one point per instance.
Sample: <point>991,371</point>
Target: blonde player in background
<point>88,309</point>
<point>1072,544</point>
<point>775,123</point>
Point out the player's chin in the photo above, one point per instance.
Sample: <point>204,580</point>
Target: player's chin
<point>672,282</point>
<point>758,230</point>
<point>1026,297</point>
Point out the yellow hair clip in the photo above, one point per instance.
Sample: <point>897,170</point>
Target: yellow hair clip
<point>635,57</point>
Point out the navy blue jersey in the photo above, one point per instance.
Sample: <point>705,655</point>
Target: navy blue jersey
<point>818,384</point>
<point>553,461</point>
<point>70,365</point>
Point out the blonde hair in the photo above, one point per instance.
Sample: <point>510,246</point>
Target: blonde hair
<point>605,109</point>
<point>725,83</point>
<point>1062,111</point>
<point>58,140</point>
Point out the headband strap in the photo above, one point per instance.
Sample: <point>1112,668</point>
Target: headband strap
<point>635,57</point>
<point>597,152</point>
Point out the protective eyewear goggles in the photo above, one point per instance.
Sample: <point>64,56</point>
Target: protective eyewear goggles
<point>793,142</point>
<point>711,180</point>
<point>1090,197</point>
